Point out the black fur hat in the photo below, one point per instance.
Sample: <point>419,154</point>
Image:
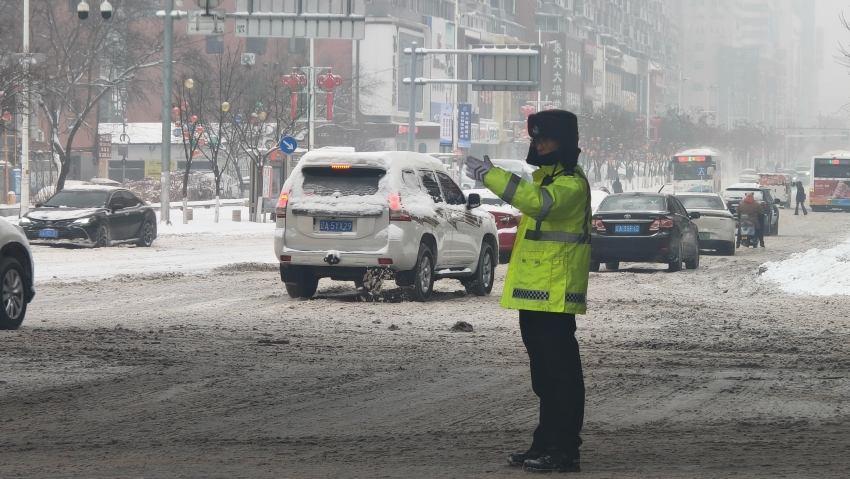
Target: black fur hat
<point>559,125</point>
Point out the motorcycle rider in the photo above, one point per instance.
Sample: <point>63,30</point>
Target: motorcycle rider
<point>748,206</point>
<point>547,281</point>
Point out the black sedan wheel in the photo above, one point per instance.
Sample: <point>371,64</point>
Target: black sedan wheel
<point>615,266</point>
<point>14,306</point>
<point>103,238</point>
<point>594,266</point>
<point>676,265</point>
<point>146,236</point>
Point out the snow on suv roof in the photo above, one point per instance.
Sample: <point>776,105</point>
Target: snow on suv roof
<point>381,159</point>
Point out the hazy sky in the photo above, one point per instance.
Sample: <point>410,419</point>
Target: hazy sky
<point>834,78</point>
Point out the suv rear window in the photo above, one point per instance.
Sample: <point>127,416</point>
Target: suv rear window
<point>633,203</point>
<point>739,194</point>
<point>326,181</point>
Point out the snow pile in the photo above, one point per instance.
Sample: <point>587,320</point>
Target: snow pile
<point>815,272</point>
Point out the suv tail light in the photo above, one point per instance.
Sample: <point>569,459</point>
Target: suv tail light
<point>280,209</point>
<point>598,225</point>
<point>664,224</point>
<point>397,213</point>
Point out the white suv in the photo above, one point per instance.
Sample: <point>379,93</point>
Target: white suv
<point>17,275</point>
<point>343,214</point>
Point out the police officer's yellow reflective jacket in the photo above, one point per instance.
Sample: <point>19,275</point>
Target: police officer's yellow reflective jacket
<point>550,262</point>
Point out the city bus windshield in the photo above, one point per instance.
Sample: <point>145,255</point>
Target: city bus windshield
<point>832,168</point>
<point>691,170</point>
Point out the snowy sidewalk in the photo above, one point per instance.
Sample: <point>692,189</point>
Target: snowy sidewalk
<point>197,247</point>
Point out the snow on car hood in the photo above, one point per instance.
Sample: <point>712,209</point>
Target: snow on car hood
<point>58,214</point>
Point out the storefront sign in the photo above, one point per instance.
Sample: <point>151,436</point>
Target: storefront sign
<point>446,124</point>
<point>464,125</point>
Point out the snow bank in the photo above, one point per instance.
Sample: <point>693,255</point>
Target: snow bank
<point>203,223</point>
<point>814,272</point>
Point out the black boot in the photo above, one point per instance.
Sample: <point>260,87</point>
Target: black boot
<point>519,458</point>
<point>554,461</point>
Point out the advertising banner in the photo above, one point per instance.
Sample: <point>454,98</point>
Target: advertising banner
<point>561,80</point>
<point>464,125</point>
<point>446,124</point>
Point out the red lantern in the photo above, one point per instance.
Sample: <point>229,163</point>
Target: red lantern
<point>186,135</point>
<point>195,153</point>
<point>527,110</point>
<point>175,111</point>
<point>202,142</point>
<point>193,118</point>
<point>7,116</point>
<point>199,130</point>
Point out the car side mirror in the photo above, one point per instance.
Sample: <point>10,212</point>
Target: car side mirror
<point>473,201</point>
<point>39,205</point>
<point>117,207</point>
<point>695,215</point>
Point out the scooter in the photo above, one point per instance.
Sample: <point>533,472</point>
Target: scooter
<point>747,233</point>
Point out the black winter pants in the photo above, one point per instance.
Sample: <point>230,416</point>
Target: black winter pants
<point>797,208</point>
<point>556,378</point>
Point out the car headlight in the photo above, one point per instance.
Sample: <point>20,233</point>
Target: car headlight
<point>84,221</point>
<point>25,221</point>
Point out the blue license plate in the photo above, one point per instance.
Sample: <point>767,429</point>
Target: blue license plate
<point>342,226</point>
<point>48,233</point>
<point>626,228</point>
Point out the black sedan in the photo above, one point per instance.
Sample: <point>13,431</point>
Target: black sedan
<point>644,228</point>
<point>97,215</point>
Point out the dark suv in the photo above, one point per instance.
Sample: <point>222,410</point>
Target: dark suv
<point>735,193</point>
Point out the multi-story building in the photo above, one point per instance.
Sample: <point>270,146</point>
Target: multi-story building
<point>749,61</point>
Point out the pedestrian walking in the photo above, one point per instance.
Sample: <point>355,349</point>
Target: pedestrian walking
<point>617,186</point>
<point>801,199</point>
<point>547,281</point>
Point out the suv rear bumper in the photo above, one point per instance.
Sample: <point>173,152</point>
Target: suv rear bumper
<point>402,260</point>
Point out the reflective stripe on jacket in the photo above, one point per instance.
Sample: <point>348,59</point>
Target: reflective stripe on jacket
<point>550,262</point>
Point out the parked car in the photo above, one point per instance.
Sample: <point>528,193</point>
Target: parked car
<point>17,275</point>
<point>342,215</point>
<point>507,220</point>
<point>748,175</point>
<point>596,197</point>
<point>644,228</point>
<point>735,193</point>
<point>91,214</point>
<point>717,226</point>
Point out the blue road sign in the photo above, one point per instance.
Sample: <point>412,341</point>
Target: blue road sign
<point>288,144</point>
<point>701,172</point>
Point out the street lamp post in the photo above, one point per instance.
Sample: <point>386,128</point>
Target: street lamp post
<point>25,123</point>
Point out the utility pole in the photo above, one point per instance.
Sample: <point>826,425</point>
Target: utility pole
<point>25,124</point>
<point>411,104</point>
<point>165,158</point>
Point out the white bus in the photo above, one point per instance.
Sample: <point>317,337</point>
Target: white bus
<point>696,170</point>
<point>830,181</point>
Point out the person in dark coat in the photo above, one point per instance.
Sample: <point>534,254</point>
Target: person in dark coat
<point>801,199</point>
<point>617,186</point>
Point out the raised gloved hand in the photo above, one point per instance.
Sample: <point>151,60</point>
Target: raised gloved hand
<point>477,169</point>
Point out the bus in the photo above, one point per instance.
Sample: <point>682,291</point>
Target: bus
<point>830,181</point>
<point>696,170</point>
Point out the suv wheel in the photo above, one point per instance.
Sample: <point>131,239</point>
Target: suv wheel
<point>614,266</point>
<point>304,288</point>
<point>482,282</point>
<point>14,306</point>
<point>423,274</point>
<point>594,266</point>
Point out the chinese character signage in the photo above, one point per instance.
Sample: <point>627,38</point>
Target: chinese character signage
<point>445,124</point>
<point>561,85</point>
<point>464,125</point>
<point>105,147</point>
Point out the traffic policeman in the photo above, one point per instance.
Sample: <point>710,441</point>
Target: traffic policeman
<point>547,281</point>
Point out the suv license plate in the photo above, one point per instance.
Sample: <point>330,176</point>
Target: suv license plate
<point>626,228</point>
<point>704,236</point>
<point>341,226</point>
<point>48,233</point>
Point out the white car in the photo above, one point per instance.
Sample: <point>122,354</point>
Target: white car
<point>717,226</point>
<point>343,215</point>
<point>17,275</point>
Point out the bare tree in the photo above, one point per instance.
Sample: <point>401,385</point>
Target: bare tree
<point>90,61</point>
